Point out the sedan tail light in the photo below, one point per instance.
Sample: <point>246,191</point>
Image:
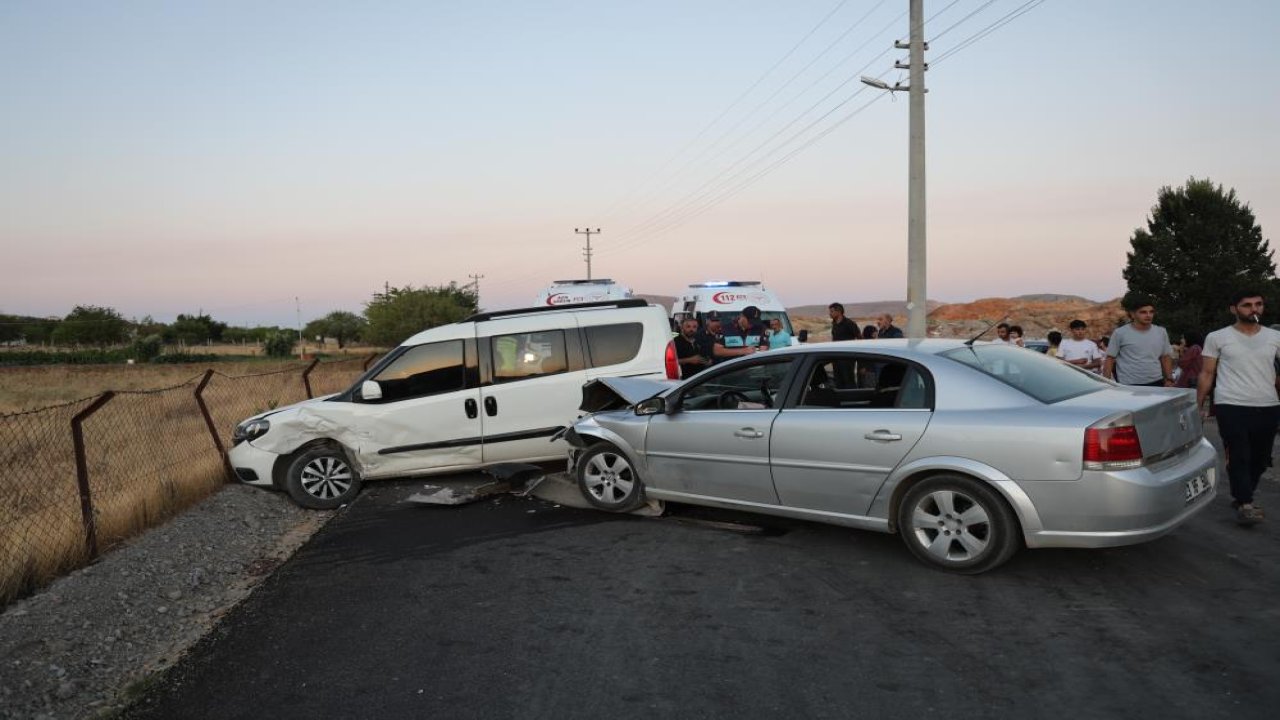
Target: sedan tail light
<point>672,361</point>
<point>1112,444</point>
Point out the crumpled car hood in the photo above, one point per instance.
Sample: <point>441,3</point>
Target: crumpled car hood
<point>293,406</point>
<point>615,393</point>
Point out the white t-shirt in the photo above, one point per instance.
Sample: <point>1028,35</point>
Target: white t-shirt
<point>1072,349</point>
<point>1246,366</point>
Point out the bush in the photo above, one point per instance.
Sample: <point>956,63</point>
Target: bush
<point>72,357</point>
<point>278,345</point>
<point>146,348</point>
<point>181,357</point>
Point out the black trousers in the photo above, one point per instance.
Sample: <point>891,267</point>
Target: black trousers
<point>1248,434</point>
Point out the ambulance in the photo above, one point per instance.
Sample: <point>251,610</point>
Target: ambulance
<point>729,297</point>
<point>574,292</point>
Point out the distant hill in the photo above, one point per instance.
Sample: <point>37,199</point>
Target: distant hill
<point>1050,297</point>
<point>862,310</point>
<point>663,300</point>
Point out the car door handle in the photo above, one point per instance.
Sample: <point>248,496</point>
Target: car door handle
<point>749,433</point>
<point>883,436</point>
<point>470,406</point>
<point>490,406</point>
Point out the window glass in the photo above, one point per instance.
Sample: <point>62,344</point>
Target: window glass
<point>856,382</point>
<point>752,387</point>
<point>613,344</point>
<point>428,369</point>
<point>527,355</point>
<point>1043,378</point>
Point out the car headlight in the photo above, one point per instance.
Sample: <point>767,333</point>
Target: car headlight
<point>250,430</point>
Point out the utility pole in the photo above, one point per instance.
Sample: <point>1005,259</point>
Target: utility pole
<point>475,283</point>
<point>917,293</point>
<point>297,304</point>
<point>586,252</point>
<point>917,296</point>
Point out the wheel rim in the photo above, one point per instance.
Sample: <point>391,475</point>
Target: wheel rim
<point>326,477</point>
<point>951,526</point>
<point>608,477</point>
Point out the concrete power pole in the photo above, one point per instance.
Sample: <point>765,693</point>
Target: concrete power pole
<point>475,283</point>
<point>917,295</point>
<point>586,252</point>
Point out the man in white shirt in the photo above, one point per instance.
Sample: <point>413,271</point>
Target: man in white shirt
<point>1240,360</point>
<point>1002,334</point>
<point>1080,350</point>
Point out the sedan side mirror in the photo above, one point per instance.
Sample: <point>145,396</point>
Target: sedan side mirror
<point>370,390</point>
<point>803,336</point>
<point>652,406</point>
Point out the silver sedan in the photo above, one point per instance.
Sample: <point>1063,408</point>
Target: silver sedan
<point>969,451</point>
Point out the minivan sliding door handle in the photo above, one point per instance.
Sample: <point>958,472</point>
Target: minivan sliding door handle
<point>490,406</point>
<point>471,408</point>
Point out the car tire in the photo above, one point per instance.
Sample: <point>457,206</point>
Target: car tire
<point>322,477</point>
<point>608,480</point>
<point>958,524</point>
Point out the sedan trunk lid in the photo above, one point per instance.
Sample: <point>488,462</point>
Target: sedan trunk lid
<point>1166,419</point>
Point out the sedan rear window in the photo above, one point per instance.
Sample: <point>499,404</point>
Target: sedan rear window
<point>1041,377</point>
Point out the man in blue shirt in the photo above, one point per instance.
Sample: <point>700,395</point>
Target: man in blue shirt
<point>744,336</point>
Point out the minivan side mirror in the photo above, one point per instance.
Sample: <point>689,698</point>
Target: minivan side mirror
<point>370,390</point>
<point>652,406</point>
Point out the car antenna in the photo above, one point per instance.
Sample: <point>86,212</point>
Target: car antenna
<point>985,330</point>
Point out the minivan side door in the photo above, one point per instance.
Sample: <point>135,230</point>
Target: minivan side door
<point>428,417</point>
<point>532,375</point>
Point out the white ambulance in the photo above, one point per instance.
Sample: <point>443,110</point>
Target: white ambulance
<point>574,292</point>
<point>728,298</point>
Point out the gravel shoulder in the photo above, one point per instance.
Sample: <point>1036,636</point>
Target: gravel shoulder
<point>87,644</point>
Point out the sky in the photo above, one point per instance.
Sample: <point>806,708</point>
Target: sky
<point>251,159</point>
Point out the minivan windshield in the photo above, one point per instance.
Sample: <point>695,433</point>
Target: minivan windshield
<point>1043,378</point>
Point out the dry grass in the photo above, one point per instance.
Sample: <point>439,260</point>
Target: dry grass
<point>148,453</point>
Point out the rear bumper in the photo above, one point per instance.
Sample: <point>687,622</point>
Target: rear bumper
<point>253,466</point>
<point>1108,509</point>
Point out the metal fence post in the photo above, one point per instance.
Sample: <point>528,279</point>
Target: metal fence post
<point>369,360</point>
<point>306,376</point>
<point>213,430</point>
<point>82,472</point>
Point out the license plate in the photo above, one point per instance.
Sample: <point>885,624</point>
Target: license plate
<point>1196,486</point>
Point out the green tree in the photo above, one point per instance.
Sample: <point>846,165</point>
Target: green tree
<point>91,325</point>
<point>1200,245</point>
<point>11,328</point>
<point>401,312</point>
<point>197,329</point>
<point>279,344</point>
<point>341,325</point>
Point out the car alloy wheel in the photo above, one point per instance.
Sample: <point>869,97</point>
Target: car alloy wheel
<point>326,478</point>
<point>608,481</point>
<point>958,523</point>
<point>322,478</point>
<point>951,526</point>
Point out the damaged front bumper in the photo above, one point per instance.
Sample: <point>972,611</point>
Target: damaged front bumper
<point>253,465</point>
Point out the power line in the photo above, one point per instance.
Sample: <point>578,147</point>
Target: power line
<point>615,206</point>
<point>1007,18</point>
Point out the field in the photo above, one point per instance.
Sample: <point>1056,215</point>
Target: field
<point>148,452</point>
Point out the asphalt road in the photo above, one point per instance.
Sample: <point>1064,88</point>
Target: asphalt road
<point>517,608</point>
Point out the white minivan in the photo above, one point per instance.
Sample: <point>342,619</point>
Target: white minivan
<point>728,298</point>
<point>490,389</point>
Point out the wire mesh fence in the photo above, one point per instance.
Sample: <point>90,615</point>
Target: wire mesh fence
<point>79,477</point>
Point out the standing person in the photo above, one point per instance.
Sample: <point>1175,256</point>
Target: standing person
<point>1190,362</point>
<point>842,328</point>
<point>778,335</point>
<point>744,337</point>
<point>887,328</point>
<point>1055,344</point>
<point>1240,360</point>
<point>869,332</point>
<point>709,335</point>
<point>1140,353</point>
<point>689,352</point>
<point>1103,343</point>
<point>1080,350</point>
<point>1002,334</point>
<point>1014,335</point>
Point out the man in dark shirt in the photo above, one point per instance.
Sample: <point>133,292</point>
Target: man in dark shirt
<point>744,337</point>
<point>688,349</point>
<point>842,328</point>
<point>706,338</point>
<point>886,327</point>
